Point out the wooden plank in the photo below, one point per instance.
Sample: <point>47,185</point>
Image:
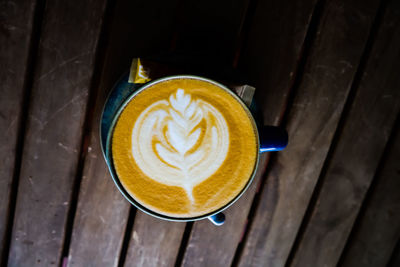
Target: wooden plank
<point>357,153</point>
<point>154,242</point>
<point>138,28</point>
<point>202,31</point>
<point>311,123</point>
<point>16,20</point>
<point>54,130</point>
<point>378,229</point>
<point>216,246</point>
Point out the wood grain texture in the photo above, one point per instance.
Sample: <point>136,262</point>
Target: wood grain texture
<point>138,28</point>
<point>216,246</point>
<point>357,153</point>
<point>311,123</point>
<point>54,130</point>
<point>154,242</point>
<point>378,229</point>
<point>16,20</point>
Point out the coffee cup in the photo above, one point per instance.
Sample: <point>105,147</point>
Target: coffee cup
<point>183,148</point>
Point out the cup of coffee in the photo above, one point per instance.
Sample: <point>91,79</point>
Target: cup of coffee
<point>184,148</point>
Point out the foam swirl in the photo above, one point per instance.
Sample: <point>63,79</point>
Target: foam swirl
<point>180,141</point>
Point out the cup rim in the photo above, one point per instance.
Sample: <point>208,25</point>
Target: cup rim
<point>110,163</point>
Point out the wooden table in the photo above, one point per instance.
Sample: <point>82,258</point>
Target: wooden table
<point>327,71</point>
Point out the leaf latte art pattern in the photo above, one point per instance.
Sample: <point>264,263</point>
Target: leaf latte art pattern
<point>180,141</point>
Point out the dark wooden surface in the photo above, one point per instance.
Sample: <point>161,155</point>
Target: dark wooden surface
<point>102,212</point>
<point>360,145</point>
<point>312,120</point>
<point>373,241</point>
<point>16,26</point>
<point>327,70</point>
<point>52,141</point>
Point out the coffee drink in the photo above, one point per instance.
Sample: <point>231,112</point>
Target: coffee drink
<point>184,147</point>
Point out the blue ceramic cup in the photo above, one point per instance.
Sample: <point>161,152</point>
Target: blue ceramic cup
<point>271,138</point>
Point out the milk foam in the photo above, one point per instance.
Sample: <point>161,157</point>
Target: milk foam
<point>180,141</point>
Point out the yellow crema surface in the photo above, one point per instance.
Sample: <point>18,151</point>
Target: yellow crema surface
<point>184,147</point>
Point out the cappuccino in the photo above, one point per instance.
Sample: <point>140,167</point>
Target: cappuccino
<point>184,147</point>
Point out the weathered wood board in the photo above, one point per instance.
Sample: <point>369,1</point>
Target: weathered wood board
<point>311,124</point>
<point>16,25</point>
<point>61,83</point>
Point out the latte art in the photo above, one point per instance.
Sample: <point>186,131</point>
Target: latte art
<point>184,147</point>
<point>180,141</point>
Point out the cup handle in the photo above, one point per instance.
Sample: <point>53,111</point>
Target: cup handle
<point>217,219</point>
<point>272,138</point>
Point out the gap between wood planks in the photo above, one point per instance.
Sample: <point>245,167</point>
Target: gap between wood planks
<point>89,116</point>
<point>127,236</point>
<point>243,32</point>
<point>28,81</point>
<point>184,243</point>
<point>307,44</point>
<point>336,137</point>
